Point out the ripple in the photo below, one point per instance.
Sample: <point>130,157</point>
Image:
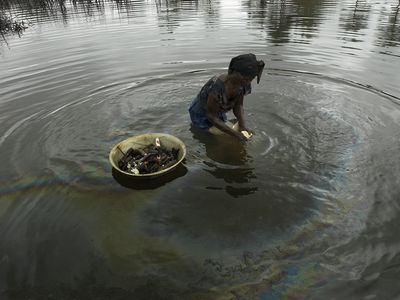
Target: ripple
<point>308,204</point>
<point>14,127</point>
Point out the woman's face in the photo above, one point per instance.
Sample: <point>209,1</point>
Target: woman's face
<point>244,80</point>
<point>246,84</point>
<point>247,79</point>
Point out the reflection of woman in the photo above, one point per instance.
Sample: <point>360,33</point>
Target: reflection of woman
<point>236,156</point>
<point>223,93</point>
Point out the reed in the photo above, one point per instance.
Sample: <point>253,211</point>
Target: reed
<point>9,25</point>
<point>7,4</point>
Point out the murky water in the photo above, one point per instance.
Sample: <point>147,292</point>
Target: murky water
<point>308,209</point>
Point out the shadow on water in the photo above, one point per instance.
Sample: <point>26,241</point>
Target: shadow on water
<point>149,183</point>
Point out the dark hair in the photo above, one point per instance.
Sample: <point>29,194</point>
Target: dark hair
<point>246,64</point>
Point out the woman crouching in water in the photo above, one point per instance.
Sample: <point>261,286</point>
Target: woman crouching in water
<point>223,93</point>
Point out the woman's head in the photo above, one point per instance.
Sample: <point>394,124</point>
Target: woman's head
<point>247,65</point>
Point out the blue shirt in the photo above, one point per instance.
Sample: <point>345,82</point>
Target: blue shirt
<point>198,107</point>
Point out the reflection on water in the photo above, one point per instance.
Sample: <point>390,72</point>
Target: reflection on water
<point>390,32</point>
<point>277,18</point>
<point>222,149</point>
<point>151,183</point>
<point>307,208</point>
<point>357,17</point>
<point>227,159</point>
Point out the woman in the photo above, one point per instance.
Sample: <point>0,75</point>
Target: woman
<point>223,93</point>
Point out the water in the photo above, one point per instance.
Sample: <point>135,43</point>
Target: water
<point>308,209</point>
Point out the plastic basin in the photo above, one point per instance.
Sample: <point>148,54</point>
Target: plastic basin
<point>140,141</point>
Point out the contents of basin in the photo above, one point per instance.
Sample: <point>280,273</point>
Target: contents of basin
<point>150,159</point>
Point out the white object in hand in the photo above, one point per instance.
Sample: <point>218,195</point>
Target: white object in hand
<point>246,134</point>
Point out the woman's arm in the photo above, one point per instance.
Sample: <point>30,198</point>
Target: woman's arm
<point>238,111</point>
<point>212,114</point>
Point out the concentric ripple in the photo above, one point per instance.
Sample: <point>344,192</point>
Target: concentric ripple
<point>308,208</point>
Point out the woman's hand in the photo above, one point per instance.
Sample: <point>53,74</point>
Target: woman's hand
<point>245,132</point>
<point>242,128</point>
<point>241,137</point>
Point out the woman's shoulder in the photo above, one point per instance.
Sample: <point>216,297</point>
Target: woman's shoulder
<point>214,84</point>
<point>216,79</point>
<point>218,83</point>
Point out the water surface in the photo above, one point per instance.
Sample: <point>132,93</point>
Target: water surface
<point>308,209</point>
